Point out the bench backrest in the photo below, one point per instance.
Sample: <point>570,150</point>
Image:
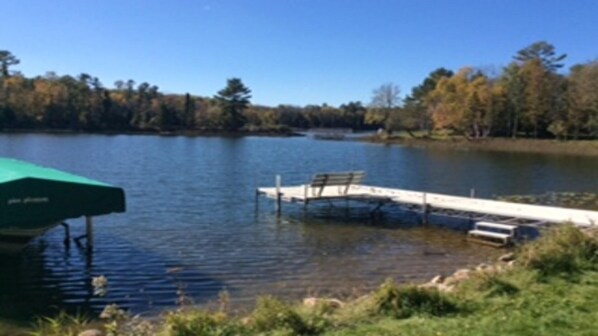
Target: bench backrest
<point>345,179</point>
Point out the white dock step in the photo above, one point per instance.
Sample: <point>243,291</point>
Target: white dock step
<point>506,227</point>
<point>481,233</point>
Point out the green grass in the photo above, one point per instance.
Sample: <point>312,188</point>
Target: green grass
<point>539,297</point>
<point>551,290</point>
<point>554,307</point>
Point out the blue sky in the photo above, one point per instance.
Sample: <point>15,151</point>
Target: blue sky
<point>287,51</point>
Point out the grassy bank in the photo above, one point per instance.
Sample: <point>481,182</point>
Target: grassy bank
<point>580,147</point>
<point>548,287</point>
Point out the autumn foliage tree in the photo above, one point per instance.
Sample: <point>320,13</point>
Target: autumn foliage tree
<point>531,97</point>
<point>466,103</point>
<point>416,112</point>
<point>582,115</point>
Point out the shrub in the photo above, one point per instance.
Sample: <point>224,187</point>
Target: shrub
<point>562,250</point>
<point>492,284</point>
<point>403,302</point>
<point>316,319</point>
<point>200,323</point>
<point>61,325</point>
<point>271,314</point>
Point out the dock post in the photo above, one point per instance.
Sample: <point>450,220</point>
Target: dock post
<point>305,201</point>
<point>278,195</point>
<point>257,201</point>
<point>89,231</point>
<point>425,209</point>
<point>471,195</point>
<point>67,234</point>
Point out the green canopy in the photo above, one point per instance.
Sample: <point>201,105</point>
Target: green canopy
<point>31,196</point>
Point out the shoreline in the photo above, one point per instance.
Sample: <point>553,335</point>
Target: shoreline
<point>520,285</point>
<point>506,145</point>
<point>586,148</point>
<point>444,283</point>
<point>186,133</point>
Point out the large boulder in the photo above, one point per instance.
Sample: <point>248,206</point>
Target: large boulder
<point>91,332</point>
<point>459,276</point>
<point>507,257</point>
<point>314,302</point>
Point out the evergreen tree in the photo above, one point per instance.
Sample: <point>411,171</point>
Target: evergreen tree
<point>543,52</point>
<point>7,59</point>
<point>233,100</point>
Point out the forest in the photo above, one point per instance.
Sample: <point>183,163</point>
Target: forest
<point>532,96</point>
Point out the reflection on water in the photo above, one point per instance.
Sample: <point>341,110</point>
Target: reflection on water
<point>192,225</point>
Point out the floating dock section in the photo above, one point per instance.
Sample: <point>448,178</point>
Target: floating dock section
<point>347,186</point>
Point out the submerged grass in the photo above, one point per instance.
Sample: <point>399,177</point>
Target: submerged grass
<point>583,200</point>
<point>551,290</point>
<point>446,141</point>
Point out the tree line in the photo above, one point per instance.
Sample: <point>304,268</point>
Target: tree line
<point>83,103</point>
<point>527,98</point>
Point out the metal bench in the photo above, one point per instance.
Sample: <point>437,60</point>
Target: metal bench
<point>341,180</point>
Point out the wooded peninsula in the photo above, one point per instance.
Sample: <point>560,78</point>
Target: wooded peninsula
<point>531,97</point>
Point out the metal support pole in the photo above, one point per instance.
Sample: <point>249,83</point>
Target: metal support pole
<point>471,195</point>
<point>278,194</point>
<point>425,209</point>
<point>67,233</point>
<point>305,187</point>
<point>257,201</point>
<point>89,231</point>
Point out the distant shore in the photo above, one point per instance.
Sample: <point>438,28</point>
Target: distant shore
<point>544,146</point>
<point>520,145</point>
<point>189,133</point>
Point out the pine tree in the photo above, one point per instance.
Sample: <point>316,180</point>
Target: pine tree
<point>233,100</point>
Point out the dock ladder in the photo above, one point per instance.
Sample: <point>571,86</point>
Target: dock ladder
<point>495,234</point>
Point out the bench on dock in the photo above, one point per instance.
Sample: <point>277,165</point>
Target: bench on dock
<point>496,234</point>
<point>341,180</point>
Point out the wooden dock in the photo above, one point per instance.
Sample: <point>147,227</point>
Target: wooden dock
<point>341,188</point>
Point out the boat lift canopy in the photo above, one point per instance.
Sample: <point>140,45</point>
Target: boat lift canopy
<point>30,194</point>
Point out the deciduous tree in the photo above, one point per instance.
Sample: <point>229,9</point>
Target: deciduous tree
<point>384,106</point>
<point>582,114</point>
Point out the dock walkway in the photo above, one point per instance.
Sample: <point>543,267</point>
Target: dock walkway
<point>306,194</point>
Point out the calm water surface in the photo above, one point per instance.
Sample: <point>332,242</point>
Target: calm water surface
<point>192,224</point>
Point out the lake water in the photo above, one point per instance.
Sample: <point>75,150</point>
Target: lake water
<point>192,224</point>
